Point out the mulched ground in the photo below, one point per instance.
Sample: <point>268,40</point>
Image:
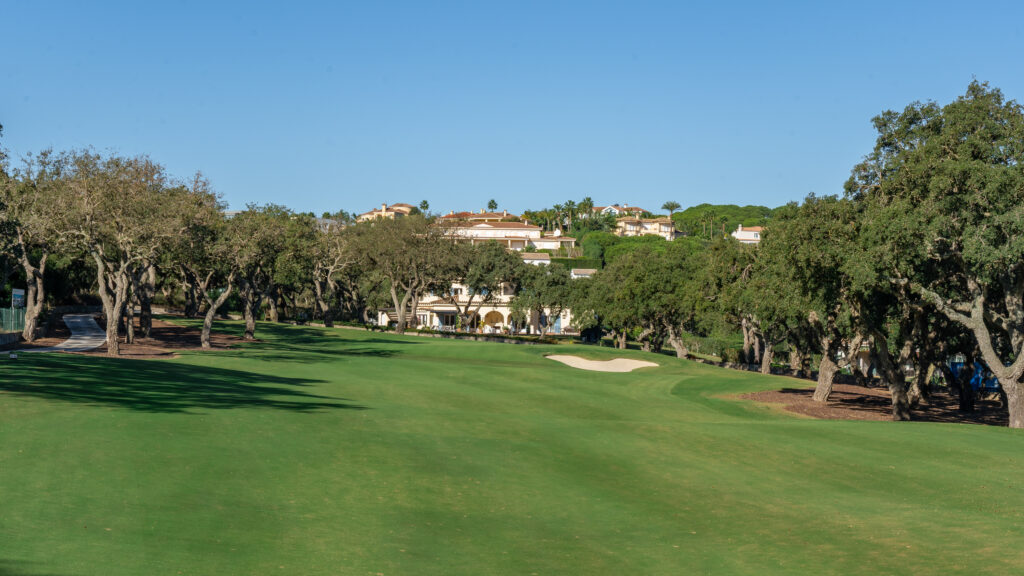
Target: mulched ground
<point>849,402</point>
<point>165,340</point>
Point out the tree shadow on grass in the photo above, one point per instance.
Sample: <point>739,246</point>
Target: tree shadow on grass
<point>158,386</point>
<point>287,343</point>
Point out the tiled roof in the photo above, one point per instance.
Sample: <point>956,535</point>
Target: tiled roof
<point>504,226</point>
<point>477,215</point>
<point>535,256</point>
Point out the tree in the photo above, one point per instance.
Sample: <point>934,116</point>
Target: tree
<point>115,209</point>
<point>405,253</point>
<point>28,201</point>
<point>492,205</point>
<point>258,234</point>
<point>203,248</point>
<point>424,206</point>
<point>543,294</point>
<point>332,256</point>
<point>586,207</point>
<point>944,191</point>
<point>671,206</point>
<point>817,241</point>
<point>484,270</point>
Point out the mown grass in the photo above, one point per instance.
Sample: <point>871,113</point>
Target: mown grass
<point>319,451</point>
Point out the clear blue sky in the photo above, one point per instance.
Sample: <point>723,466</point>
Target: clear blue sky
<point>344,105</point>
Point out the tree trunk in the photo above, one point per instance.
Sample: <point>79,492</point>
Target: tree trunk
<point>401,311</point>
<point>35,295</point>
<point>129,322</point>
<point>961,384</point>
<point>893,378</point>
<point>796,361</point>
<point>322,304</point>
<point>766,359</point>
<point>191,294</point>
<point>919,387</point>
<point>211,313</point>
<point>747,340</point>
<point>413,312</point>
<point>250,302</point>
<point>826,376</point>
<point>145,290</point>
<point>900,402</point>
<point>677,344</point>
<point>1014,403</point>
<point>249,311</point>
<point>622,341</point>
<point>272,304</point>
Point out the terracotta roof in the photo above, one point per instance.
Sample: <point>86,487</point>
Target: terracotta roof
<point>401,205</point>
<point>477,215</point>
<point>584,271</point>
<point>662,220</point>
<point>753,229</point>
<point>535,256</point>
<point>504,225</point>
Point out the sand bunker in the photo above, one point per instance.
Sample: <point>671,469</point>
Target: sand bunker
<point>615,365</point>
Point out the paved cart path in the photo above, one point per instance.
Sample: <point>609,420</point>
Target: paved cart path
<point>86,335</point>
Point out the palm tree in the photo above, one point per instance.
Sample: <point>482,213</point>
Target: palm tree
<point>570,211</point>
<point>586,207</point>
<point>671,206</point>
<point>558,211</point>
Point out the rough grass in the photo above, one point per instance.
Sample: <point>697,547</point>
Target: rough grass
<point>321,451</point>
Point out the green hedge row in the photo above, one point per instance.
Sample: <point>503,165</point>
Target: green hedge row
<point>571,263</point>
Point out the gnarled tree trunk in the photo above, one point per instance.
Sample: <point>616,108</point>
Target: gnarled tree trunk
<point>144,287</point>
<point>766,359</point>
<point>827,370</point>
<point>211,312</point>
<point>35,295</point>
<point>676,343</point>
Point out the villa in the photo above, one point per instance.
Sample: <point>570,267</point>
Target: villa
<point>390,212</point>
<point>630,226</point>
<point>516,236</point>
<point>616,210</point>
<point>749,235</point>
<point>441,311</point>
<point>480,216</point>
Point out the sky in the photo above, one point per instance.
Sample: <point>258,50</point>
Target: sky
<point>322,106</point>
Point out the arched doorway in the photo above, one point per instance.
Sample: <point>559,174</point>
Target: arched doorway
<point>494,319</point>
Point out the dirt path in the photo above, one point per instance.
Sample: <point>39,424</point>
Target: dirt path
<point>84,335</point>
<point>850,402</point>
<point>166,339</point>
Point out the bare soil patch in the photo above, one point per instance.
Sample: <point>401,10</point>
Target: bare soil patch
<point>165,340</point>
<point>850,402</point>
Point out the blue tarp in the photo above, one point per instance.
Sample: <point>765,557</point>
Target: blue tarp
<point>983,380</point>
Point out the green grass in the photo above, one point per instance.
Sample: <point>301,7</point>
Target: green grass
<point>322,451</point>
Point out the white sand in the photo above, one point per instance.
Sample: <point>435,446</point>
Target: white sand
<point>614,365</point>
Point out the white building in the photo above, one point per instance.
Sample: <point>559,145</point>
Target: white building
<point>751,235</point>
<point>513,235</point>
<point>629,226</point>
<point>441,311</point>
